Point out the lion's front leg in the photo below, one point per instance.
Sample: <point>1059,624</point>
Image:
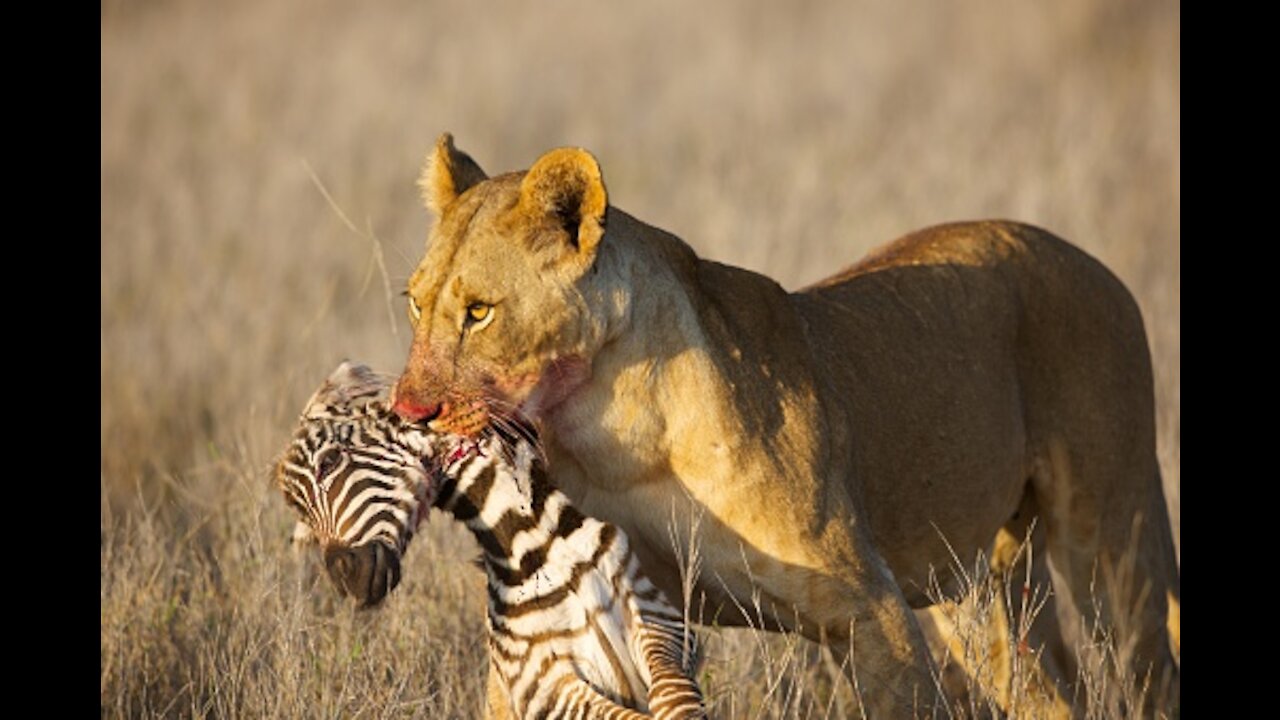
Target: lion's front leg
<point>851,601</point>
<point>884,653</point>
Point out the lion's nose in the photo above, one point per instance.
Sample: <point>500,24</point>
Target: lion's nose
<point>414,412</point>
<point>408,408</point>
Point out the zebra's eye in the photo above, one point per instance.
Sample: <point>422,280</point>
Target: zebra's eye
<point>327,463</point>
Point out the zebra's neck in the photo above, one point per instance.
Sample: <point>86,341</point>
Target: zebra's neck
<point>511,508</point>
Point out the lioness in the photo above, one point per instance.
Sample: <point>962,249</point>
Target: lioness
<point>832,436</point>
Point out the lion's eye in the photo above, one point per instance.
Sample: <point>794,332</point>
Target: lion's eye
<point>479,313</point>
<point>415,312</point>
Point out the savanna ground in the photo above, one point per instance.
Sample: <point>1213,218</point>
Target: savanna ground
<point>786,138</point>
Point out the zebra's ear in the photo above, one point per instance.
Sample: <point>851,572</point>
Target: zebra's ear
<point>302,537</point>
<point>349,382</point>
<point>524,471</point>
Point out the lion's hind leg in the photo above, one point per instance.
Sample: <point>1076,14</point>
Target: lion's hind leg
<point>998,641</point>
<point>1109,543</point>
<point>1040,665</point>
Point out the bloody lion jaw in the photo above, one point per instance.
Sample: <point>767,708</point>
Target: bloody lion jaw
<point>465,418</point>
<point>561,378</point>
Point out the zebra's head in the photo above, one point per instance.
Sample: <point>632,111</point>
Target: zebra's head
<point>361,479</point>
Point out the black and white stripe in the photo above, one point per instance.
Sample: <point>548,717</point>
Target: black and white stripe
<point>575,627</point>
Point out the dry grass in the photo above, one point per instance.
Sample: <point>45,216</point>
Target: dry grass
<point>784,138</point>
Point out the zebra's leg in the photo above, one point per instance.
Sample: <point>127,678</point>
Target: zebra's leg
<point>577,699</point>
<point>673,693</point>
<point>497,705</point>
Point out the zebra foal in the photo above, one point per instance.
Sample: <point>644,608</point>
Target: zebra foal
<point>575,627</point>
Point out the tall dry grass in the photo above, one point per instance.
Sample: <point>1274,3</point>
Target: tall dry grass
<point>787,138</point>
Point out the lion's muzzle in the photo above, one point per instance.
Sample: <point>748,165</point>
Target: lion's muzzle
<point>415,412</point>
<point>409,405</point>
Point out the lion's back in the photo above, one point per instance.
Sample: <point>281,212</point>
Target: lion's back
<point>989,276</point>
<point>964,346</point>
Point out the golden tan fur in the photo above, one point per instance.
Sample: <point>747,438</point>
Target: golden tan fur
<point>832,436</point>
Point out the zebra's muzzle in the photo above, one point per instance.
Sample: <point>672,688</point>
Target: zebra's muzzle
<point>365,572</point>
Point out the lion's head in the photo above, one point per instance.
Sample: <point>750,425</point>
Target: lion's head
<point>506,305</point>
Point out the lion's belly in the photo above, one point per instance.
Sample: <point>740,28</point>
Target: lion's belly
<point>943,489</point>
<point>934,409</point>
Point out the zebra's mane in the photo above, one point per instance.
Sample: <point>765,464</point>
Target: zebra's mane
<point>351,385</point>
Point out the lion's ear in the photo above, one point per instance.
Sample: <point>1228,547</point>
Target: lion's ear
<point>447,173</point>
<point>566,185</point>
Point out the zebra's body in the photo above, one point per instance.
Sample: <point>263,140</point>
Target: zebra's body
<point>575,627</point>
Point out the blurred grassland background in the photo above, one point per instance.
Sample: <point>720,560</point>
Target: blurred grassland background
<point>788,138</point>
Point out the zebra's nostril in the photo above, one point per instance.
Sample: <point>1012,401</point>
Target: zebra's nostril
<point>343,567</point>
<point>366,572</point>
<point>384,575</point>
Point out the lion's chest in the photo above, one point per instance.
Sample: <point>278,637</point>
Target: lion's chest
<point>610,435</point>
